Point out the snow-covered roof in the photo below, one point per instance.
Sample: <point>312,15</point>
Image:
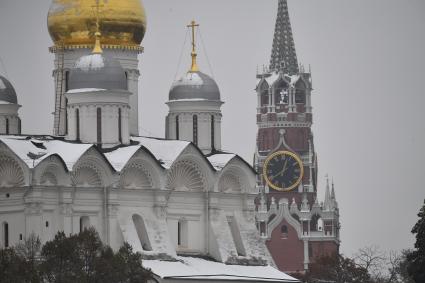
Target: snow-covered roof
<point>220,160</point>
<point>33,150</point>
<point>190,268</point>
<point>27,148</point>
<point>78,90</point>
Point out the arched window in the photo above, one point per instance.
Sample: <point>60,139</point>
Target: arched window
<point>119,125</point>
<point>212,132</point>
<point>195,129</point>
<point>77,124</point>
<point>99,126</point>
<point>6,234</point>
<point>7,126</point>
<point>284,231</point>
<point>142,232</point>
<point>177,128</point>
<point>281,93</point>
<point>84,223</point>
<point>300,92</point>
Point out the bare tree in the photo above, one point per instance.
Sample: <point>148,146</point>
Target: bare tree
<point>372,259</point>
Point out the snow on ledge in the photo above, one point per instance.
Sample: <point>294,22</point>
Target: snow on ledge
<point>80,90</point>
<point>195,268</point>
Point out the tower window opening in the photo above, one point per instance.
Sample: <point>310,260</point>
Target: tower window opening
<point>284,231</point>
<point>195,129</point>
<point>182,234</point>
<point>236,235</point>
<point>47,224</point>
<point>119,125</point>
<point>20,237</point>
<point>6,234</point>
<point>264,97</point>
<point>77,124</point>
<point>212,132</point>
<point>66,81</point>
<point>99,126</point>
<point>66,116</point>
<point>7,126</point>
<point>300,96</point>
<point>177,128</point>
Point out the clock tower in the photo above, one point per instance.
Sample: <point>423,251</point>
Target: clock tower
<point>296,227</point>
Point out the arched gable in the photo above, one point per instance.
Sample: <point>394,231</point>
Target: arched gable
<point>191,171</point>
<point>13,171</point>
<point>237,177</point>
<point>142,171</point>
<point>92,170</point>
<point>52,171</point>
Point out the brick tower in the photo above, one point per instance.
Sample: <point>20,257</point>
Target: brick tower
<point>296,227</point>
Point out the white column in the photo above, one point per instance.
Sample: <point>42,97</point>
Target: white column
<point>133,87</point>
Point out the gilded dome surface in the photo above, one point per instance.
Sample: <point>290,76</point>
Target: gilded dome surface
<point>73,22</point>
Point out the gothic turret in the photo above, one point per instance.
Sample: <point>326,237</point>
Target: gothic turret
<point>195,107</point>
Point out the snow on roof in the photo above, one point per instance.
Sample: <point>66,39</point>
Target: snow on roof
<point>28,151</point>
<point>220,160</point>
<point>165,151</point>
<point>4,102</point>
<point>190,78</point>
<point>79,90</point>
<point>90,62</point>
<point>201,269</point>
<point>119,157</point>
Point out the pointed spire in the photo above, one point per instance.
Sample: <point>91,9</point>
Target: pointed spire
<point>328,202</point>
<point>194,68</point>
<point>333,190</point>
<point>284,56</point>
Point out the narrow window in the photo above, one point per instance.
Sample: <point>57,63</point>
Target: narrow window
<point>66,81</point>
<point>77,124</point>
<point>212,133</point>
<point>84,223</point>
<point>47,224</point>
<point>182,234</point>
<point>119,125</point>
<point>126,79</point>
<point>6,234</point>
<point>177,127</point>
<point>7,126</point>
<point>19,126</point>
<point>99,126</point>
<point>195,129</point>
<point>236,235</point>
<point>20,237</point>
<point>299,96</point>
<point>66,116</point>
<point>142,232</point>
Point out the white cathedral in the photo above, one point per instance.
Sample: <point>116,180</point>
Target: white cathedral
<point>182,202</point>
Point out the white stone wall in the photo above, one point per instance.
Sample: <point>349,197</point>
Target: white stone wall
<point>9,112</point>
<point>87,104</point>
<point>204,110</point>
<point>107,201</point>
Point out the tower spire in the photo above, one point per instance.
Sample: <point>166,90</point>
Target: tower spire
<point>97,47</point>
<point>284,56</point>
<point>194,67</point>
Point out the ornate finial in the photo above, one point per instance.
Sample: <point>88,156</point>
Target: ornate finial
<point>97,47</point>
<point>194,67</point>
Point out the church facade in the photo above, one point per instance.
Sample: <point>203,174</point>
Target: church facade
<point>297,227</point>
<point>187,206</point>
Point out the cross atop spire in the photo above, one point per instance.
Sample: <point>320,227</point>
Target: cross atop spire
<point>194,67</point>
<point>284,56</point>
<point>97,47</point>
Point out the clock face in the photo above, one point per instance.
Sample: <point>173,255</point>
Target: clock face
<point>283,171</point>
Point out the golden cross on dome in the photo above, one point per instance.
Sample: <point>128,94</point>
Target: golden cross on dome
<point>97,46</point>
<point>194,68</point>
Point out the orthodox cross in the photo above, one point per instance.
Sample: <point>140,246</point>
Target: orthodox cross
<point>194,67</point>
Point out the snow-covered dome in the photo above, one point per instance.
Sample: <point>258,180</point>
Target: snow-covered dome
<point>195,85</point>
<point>97,71</point>
<point>7,92</point>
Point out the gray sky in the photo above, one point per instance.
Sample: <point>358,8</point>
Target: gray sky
<point>367,60</point>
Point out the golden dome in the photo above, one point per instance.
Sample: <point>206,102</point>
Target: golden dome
<point>73,22</point>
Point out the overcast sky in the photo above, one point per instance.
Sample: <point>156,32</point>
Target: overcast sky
<point>368,67</point>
